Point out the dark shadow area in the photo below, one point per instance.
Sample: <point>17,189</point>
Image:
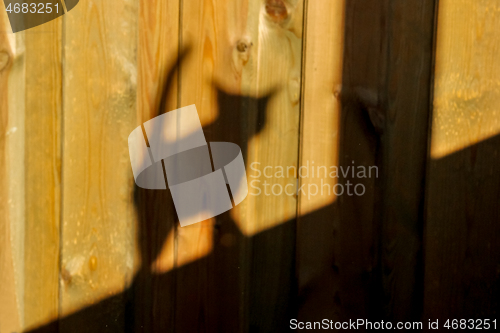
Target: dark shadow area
<point>462,238</point>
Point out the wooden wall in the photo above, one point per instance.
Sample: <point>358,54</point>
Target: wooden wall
<point>407,86</point>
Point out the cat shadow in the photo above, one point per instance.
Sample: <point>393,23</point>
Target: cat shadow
<point>159,302</point>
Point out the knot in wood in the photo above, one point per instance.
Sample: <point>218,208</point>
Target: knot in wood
<point>276,10</point>
<point>242,46</point>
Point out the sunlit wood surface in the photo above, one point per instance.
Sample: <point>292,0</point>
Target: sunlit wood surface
<point>10,258</point>
<point>292,82</point>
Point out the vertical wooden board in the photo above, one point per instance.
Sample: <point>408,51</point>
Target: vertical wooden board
<point>322,75</point>
<point>462,254</point>
<point>158,48</point>
<point>244,77</point>
<point>404,106</point>
<point>355,255</point>
<point>274,71</point>
<point>319,141</point>
<point>204,29</point>
<point>99,102</point>
<point>42,172</point>
<point>10,309</point>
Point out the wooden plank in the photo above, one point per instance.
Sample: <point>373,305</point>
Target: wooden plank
<point>244,77</point>
<point>322,80</point>
<point>461,238</point>
<point>158,50</point>
<point>10,307</point>
<point>406,104</point>
<point>154,287</point>
<point>99,102</point>
<point>357,237</point>
<point>273,73</point>
<point>42,172</point>
<point>204,28</point>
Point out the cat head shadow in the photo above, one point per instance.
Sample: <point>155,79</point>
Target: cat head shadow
<point>240,117</point>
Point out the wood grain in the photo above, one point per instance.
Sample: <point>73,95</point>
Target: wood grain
<point>158,49</point>
<point>194,308</point>
<point>271,220</point>
<point>319,142</point>
<point>275,65</point>
<point>461,239</point>
<point>406,101</point>
<point>98,218</point>
<point>43,172</point>
<point>204,28</point>
<point>10,307</point>
<point>356,255</point>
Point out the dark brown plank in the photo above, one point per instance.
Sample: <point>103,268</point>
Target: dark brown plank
<point>403,150</point>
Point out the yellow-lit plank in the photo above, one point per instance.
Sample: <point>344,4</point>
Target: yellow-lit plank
<point>10,307</point>
<point>154,288</point>
<point>272,71</point>
<point>157,50</point>
<point>319,142</point>
<point>43,172</point>
<point>467,88</point>
<point>99,102</point>
<point>204,30</point>
<point>323,51</point>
